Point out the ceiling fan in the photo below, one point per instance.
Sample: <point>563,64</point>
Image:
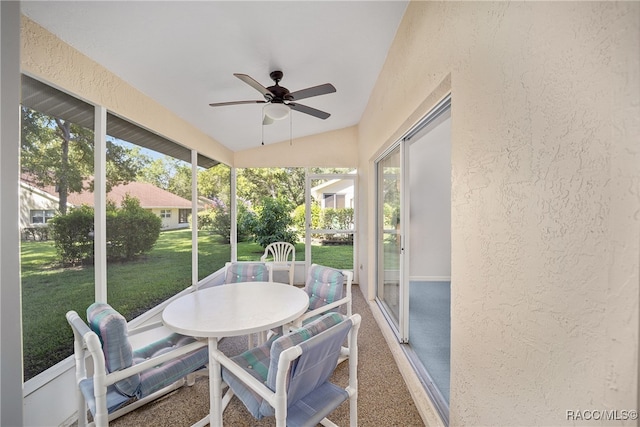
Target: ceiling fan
<point>280,101</point>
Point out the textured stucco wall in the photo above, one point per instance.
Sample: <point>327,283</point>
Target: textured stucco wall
<point>545,197</point>
<point>337,148</point>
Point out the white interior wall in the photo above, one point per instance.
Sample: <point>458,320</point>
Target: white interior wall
<point>430,210</point>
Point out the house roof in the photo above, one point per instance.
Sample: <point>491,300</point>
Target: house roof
<point>149,195</point>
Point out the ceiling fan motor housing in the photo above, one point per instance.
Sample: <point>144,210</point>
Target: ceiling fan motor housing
<point>280,93</point>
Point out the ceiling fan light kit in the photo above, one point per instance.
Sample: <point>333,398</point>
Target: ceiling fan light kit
<point>277,111</point>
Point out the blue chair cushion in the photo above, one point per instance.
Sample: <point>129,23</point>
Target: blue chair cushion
<point>246,272</point>
<point>324,285</point>
<point>115,399</point>
<point>261,362</point>
<point>111,328</point>
<point>158,377</point>
<point>313,368</point>
<point>284,342</point>
<point>256,362</point>
<point>311,409</point>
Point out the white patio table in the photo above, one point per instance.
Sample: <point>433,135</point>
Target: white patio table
<point>232,310</point>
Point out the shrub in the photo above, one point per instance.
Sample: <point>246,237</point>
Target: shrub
<point>299,217</point>
<point>273,223</point>
<point>216,218</point>
<point>245,223</point>
<point>131,230</point>
<point>205,218</point>
<point>337,219</point>
<point>73,235</point>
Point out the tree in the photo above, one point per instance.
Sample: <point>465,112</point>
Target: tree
<point>156,172</point>
<point>255,184</point>
<point>273,222</point>
<point>60,153</point>
<point>169,174</point>
<point>215,183</point>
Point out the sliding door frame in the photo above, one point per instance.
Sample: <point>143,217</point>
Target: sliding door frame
<point>401,327</point>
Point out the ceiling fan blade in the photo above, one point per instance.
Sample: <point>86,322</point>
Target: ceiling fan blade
<point>267,120</point>
<point>312,91</point>
<point>254,84</point>
<point>308,110</point>
<point>221,104</point>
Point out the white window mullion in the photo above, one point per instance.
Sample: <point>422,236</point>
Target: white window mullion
<point>194,219</point>
<point>307,219</point>
<point>234,215</point>
<point>100,203</point>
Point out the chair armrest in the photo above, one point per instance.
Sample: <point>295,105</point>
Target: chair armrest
<point>321,310</point>
<point>116,376</point>
<point>145,328</point>
<point>251,382</point>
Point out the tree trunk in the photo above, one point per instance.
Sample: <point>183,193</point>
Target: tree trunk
<point>63,183</point>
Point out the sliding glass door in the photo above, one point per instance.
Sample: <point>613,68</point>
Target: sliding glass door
<point>390,292</point>
<point>413,238</point>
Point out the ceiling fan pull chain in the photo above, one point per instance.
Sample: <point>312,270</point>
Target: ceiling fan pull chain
<point>290,129</point>
<point>263,125</point>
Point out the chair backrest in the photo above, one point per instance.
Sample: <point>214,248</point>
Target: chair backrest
<point>246,272</point>
<point>303,334</point>
<point>324,285</point>
<point>280,251</point>
<point>111,328</point>
<point>281,344</point>
<point>317,362</point>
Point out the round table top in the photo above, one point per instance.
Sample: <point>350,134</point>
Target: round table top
<point>235,309</point>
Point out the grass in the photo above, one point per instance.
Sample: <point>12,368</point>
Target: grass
<point>49,291</point>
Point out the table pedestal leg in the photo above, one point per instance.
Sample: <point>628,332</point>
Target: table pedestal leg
<point>215,386</point>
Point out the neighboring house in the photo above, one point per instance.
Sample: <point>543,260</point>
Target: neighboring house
<point>38,205</point>
<point>335,193</point>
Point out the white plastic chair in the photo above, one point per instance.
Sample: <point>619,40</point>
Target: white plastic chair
<point>289,377</point>
<point>280,252</point>
<point>124,379</point>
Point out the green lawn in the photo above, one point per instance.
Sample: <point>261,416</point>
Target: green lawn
<point>49,291</point>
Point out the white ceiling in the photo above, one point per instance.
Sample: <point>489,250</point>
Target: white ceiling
<point>183,54</point>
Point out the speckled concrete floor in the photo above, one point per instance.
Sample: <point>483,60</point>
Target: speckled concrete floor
<point>383,398</point>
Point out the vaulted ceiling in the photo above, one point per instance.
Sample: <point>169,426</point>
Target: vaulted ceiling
<point>184,55</point>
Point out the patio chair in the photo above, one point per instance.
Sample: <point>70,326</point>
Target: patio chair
<point>236,272</point>
<point>124,379</point>
<point>279,253</point>
<point>328,290</point>
<point>288,377</point>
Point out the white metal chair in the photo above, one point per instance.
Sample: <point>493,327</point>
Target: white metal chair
<point>124,379</point>
<point>279,253</point>
<point>288,377</point>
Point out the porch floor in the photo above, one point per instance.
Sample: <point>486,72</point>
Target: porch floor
<point>383,398</point>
